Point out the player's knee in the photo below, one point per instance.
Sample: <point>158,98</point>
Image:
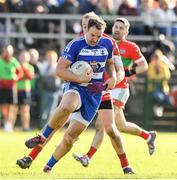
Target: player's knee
<point>122,128</point>
<point>110,131</point>
<point>68,140</point>
<point>67,109</point>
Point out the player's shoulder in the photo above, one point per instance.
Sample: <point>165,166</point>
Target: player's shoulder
<point>107,36</point>
<point>106,40</point>
<point>130,43</point>
<point>77,40</point>
<point>14,60</point>
<point>30,66</point>
<point>74,43</point>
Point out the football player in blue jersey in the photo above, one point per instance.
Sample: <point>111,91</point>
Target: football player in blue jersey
<point>107,116</point>
<point>77,101</point>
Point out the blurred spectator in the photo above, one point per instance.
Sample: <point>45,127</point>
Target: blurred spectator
<point>31,5</point>
<point>145,11</point>
<point>173,96</point>
<point>51,85</point>
<point>168,47</point>
<point>24,91</point>
<point>3,6</point>
<point>160,42</point>
<point>163,17</point>
<point>36,85</point>
<point>158,75</point>
<point>175,9</point>
<point>3,9</point>
<point>71,7</point>
<point>52,6</point>
<point>10,73</point>
<point>106,7</point>
<point>90,5</point>
<point>16,6</point>
<point>126,9</point>
<point>36,25</point>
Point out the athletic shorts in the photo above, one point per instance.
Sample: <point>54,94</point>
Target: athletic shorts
<point>106,95</point>
<point>24,97</point>
<point>8,96</point>
<point>89,104</point>
<point>106,105</point>
<point>120,96</point>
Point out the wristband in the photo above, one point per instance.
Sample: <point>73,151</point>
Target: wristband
<point>129,73</point>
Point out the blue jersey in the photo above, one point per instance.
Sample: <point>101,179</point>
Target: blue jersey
<point>79,50</point>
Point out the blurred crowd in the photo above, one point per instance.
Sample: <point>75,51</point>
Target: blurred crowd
<point>101,7</point>
<point>157,17</point>
<point>29,88</point>
<point>155,13</point>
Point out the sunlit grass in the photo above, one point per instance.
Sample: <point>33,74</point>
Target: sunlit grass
<point>104,165</point>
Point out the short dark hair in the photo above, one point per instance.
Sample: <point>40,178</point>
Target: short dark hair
<point>124,21</point>
<point>98,23</point>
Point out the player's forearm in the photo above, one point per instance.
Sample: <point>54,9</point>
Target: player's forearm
<point>63,72</point>
<point>67,75</point>
<point>120,75</point>
<point>110,69</point>
<point>119,68</point>
<point>142,66</point>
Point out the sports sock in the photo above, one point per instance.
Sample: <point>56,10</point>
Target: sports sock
<point>91,152</point>
<point>145,134</point>
<point>52,161</point>
<point>47,131</point>
<point>123,160</point>
<point>34,152</point>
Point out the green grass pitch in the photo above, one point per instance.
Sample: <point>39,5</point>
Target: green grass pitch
<point>104,165</point>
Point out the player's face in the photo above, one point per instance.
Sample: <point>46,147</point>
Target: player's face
<point>119,30</point>
<point>93,35</point>
<point>8,52</point>
<point>84,24</point>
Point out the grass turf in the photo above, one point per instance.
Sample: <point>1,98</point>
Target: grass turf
<point>104,165</point>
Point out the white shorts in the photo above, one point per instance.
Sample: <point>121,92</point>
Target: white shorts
<point>77,115</point>
<point>120,96</point>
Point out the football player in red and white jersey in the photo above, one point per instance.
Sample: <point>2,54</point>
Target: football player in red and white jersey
<point>106,116</point>
<point>133,63</point>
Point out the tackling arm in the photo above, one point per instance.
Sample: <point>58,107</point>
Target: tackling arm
<point>141,65</point>
<point>119,68</point>
<point>110,68</point>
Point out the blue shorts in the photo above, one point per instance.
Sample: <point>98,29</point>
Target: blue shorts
<point>89,103</point>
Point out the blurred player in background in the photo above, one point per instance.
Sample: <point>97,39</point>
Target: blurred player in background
<point>24,91</point>
<point>10,73</point>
